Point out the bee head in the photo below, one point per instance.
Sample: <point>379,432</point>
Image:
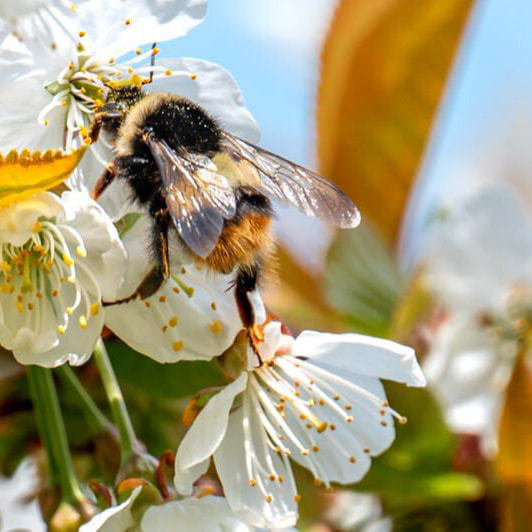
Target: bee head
<point>119,100</point>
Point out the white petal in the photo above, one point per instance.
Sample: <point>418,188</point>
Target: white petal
<point>193,515</point>
<point>207,431</point>
<point>215,90</point>
<point>472,261</point>
<point>469,371</point>
<point>115,519</point>
<point>247,502</point>
<point>17,221</point>
<point>361,354</point>
<point>149,20</point>
<point>106,255</point>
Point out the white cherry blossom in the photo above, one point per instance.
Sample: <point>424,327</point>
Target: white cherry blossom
<point>57,68</point>
<point>316,399</point>
<point>59,256</point>
<point>479,265</point>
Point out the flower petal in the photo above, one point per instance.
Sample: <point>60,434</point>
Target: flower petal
<point>206,433</point>
<point>249,502</point>
<point>193,515</point>
<point>364,355</point>
<point>114,519</point>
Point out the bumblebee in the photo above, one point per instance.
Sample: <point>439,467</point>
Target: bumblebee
<point>213,188</point>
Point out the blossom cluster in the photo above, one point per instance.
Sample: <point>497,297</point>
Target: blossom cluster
<point>64,258</point>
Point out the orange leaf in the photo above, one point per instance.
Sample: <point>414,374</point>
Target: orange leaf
<point>23,174</point>
<point>383,70</point>
<point>514,461</point>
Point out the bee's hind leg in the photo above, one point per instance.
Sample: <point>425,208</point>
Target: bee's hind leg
<point>250,305</point>
<point>160,272</point>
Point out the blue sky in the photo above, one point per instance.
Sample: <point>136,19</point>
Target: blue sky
<point>272,49</point>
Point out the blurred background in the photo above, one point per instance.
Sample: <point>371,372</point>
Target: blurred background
<point>421,110</point>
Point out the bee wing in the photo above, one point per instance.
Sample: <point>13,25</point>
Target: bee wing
<point>290,183</point>
<point>199,199</point>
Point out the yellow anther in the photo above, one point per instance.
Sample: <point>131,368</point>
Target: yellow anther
<point>162,299</point>
<point>297,498</point>
<point>216,327</point>
<point>177,346</point>
<point>81,252</point>
<point>83,322</point>
<point>82,34</point>
<point>269,499</point>
<point>20,306</point>
<point>94,309</point>
<point>69,311</point>
<point>352,459</point>
<point>174,320</point>
<point>67,259</point>
<point>71,279</point>
<point>168,72</point>
<point>193,77</point>
<point>138,51</point>
<point>46,121</point>
<point>37,227</point>
<point>213,305</point>
<point>127,22</point>
<point>155,51</point>
<point>61,329</point>
<point>252,482</point>
<point>55,293</point>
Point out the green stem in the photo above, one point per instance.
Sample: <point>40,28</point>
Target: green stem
<point>128,440</point>
<point>53,433</point>
<point>99,423</point>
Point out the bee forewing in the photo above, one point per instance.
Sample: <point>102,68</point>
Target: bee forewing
<point>293,184</point>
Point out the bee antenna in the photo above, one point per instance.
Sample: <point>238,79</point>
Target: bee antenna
<point>152,60</point>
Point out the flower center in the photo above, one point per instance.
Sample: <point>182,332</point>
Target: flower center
<point>43,272</point>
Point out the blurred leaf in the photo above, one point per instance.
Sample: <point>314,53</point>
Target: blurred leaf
<point>298,298</point>
<point>362,281</point>
<point>384,66</point>
<point>514,460</point>
<point>25,173</point>
<point>161,380</point>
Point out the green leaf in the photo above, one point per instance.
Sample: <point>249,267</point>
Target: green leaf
<point>169,381</point>
<point>362,281</point>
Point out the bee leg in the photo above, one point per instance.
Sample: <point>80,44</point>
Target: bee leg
<point>250,305</point>
<point>104,181</point>
<point>94,131</point>
<point>160,272</point>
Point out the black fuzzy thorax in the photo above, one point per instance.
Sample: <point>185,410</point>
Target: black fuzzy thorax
<point>183,125</point>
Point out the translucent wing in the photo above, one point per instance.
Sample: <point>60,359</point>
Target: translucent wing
<point>198,198</point>
<point>290,183</point>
